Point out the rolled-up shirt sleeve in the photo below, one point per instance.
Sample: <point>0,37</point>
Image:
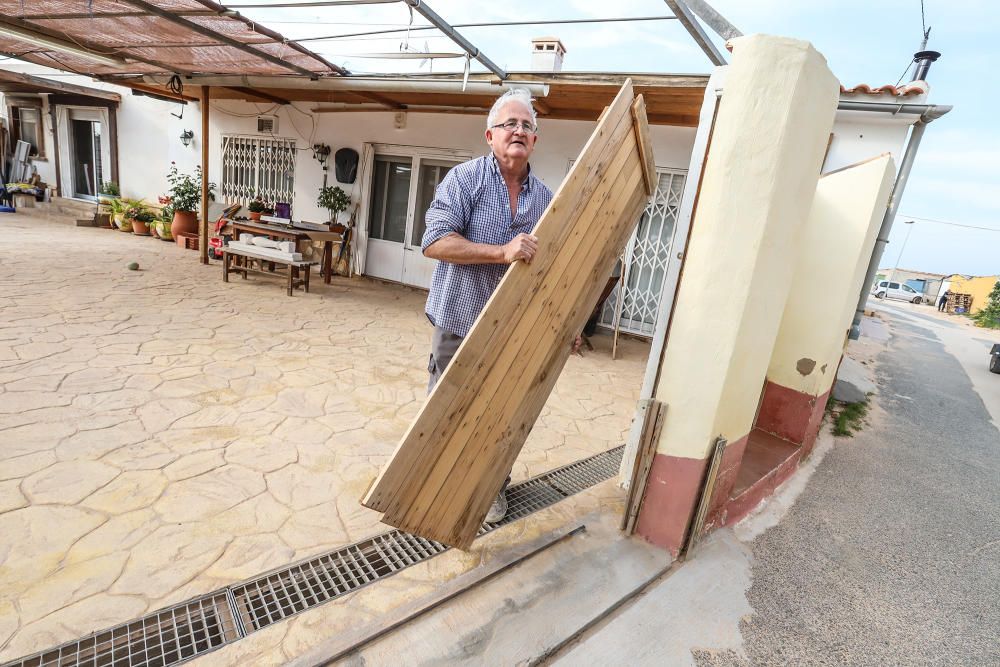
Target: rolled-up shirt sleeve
<point>449,212</point>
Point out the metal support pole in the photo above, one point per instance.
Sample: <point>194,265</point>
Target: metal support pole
<point>690,23</point>
<point>443,26</point>
<point>930,114</point>
<point>890,215</point>
<point>203,227</point>
<point>714,19</point>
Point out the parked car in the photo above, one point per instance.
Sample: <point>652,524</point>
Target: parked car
<point>891,290</point>
<point>995,358</point>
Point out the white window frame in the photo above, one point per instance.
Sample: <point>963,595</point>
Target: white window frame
<point>263,176</point>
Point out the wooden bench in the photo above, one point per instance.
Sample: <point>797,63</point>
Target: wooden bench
<point>242,261</point>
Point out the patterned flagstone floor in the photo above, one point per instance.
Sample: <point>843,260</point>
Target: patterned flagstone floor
<point>163,433</point>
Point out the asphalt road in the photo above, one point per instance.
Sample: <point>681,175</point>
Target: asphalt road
<point>891,555</point>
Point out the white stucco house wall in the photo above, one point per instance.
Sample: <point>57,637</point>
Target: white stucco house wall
<point>418,148</point>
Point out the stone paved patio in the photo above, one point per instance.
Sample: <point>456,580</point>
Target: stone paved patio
<point>163,434</point>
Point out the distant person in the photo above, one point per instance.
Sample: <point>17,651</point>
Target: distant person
<point>943,301</point>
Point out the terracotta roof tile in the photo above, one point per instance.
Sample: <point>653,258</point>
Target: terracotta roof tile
<point>912,88</point>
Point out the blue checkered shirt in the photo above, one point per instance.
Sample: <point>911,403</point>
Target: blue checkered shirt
<point>472,201</point>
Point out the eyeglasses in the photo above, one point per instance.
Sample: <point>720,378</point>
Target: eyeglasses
<point>512,125</point>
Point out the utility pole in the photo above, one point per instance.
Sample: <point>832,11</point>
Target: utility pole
<point>902,248</point>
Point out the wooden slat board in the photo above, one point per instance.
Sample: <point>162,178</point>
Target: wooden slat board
<point>453,460</point>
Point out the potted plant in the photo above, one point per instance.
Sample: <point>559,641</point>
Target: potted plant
<point>334,200</point>
<point>107,192</point>
<point>162,224</point>
<point>139,215</point>
<point>258,207</point>
<point>185,196</point>
<point>117,210</point>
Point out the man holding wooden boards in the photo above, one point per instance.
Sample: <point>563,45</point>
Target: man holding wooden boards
<point>479,223</point>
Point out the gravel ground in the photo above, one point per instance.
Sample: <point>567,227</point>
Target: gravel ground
<point>891,556</point>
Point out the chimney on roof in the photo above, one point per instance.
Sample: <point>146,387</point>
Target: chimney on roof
<point>547,54</point>
<point>924,60</point>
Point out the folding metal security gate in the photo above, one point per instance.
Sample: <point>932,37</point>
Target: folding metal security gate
<point>647,256</point>
<point>261,167</point>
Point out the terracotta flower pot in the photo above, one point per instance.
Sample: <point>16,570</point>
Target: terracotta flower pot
<point>140,228</point>
<point>255,215</point>
<point>185,222</point>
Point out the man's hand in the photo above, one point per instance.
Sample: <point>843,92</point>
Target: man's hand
<point>522,246</point>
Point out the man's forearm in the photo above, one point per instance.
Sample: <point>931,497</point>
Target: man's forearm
<point>456,249</point>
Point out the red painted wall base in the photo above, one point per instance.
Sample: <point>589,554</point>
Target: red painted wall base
<point>669,501</point>
<point>751,469</point>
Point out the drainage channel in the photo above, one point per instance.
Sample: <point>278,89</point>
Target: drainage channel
<point>190,629</point>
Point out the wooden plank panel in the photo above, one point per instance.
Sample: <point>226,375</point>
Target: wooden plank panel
<point>642,131</point>
<point>481,417</point>
<point>507,418</point>
<point>453,393</point>
<point>452,461</point>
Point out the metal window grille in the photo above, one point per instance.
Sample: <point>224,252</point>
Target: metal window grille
<point>646,258</point>
<point>261,167</point>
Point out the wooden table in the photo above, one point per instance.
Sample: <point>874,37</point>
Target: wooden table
<point>241,261</point>
<point>337,235</point>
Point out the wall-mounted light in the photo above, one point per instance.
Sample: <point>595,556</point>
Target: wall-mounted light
<point>186,137</point>
<point>322,153</point>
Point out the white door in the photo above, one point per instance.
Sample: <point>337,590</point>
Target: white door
<point>402,189</point>
<point>388,217</point>
<point>84,150</point>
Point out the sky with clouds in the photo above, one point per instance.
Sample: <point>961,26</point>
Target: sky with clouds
<point>956,178</point>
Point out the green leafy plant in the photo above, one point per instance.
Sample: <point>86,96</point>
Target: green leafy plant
<point>850,419</point>
<point>334,200</point>
<point>989,317</point>
<point>185,189</point>
<point>259,206</point>
<point>116,206</point>
<point>144,215</point>
<point>110,189</point>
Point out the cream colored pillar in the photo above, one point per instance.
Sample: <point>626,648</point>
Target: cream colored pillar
<point>766,151</point>
<point>836,245</point>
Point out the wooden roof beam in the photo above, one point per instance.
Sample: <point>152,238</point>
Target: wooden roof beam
<point>259,94</point>
<point>157,92</point>
<point>380,99</point>
<point>59,86</point>
<point>223,39</point>
<point>86,44</point>
<point>216,8</point>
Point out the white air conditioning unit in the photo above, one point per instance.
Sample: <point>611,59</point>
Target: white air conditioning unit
<point>267,124</point>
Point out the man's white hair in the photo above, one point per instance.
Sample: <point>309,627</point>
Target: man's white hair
<point>519,95</point>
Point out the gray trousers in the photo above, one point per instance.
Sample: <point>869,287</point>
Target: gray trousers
<point>444,345</point>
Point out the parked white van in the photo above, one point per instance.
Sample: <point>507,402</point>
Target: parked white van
<point>891,290</point>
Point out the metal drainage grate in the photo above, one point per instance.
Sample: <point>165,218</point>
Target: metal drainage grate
<point>191,629</point>
<point>288,591</point>
<point>166,637</point>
